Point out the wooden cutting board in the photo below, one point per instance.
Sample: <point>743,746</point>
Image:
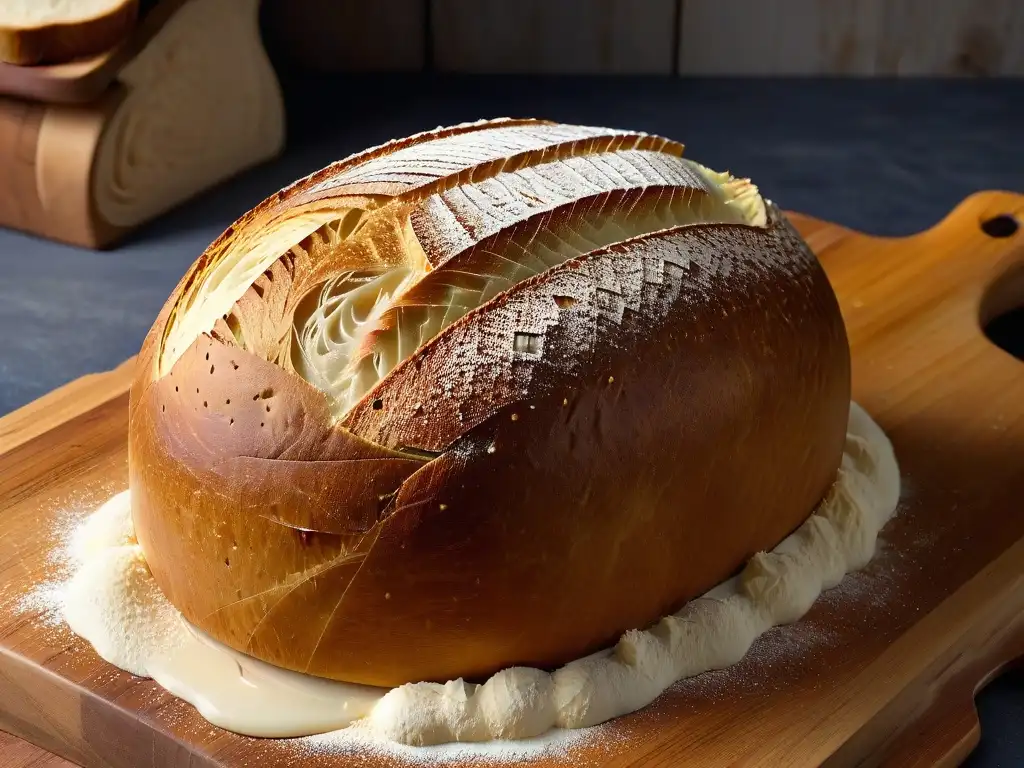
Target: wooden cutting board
<point>883,668</point>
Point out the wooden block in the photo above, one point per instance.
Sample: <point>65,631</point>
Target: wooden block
<point>47,188</point>
<point>882,670</point>
<point>852,37</point>
<point>198,104</point>
<point>348,35</point>
<point>554,36</point>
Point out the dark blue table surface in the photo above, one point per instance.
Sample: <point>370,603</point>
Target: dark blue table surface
<point>886,157</point>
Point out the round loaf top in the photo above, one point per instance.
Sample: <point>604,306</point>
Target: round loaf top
<point>488,395</point>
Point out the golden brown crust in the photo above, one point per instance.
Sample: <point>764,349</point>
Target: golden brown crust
<point>591,447</point>
<point>232,459</point>
<point>56,43</point>
<point>600,487</point>
<point>544,333</point>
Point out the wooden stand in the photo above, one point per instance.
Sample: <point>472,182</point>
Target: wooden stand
<point>881,670</point>
<point>188,102</point>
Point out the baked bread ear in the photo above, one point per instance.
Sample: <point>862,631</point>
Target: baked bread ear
<point>487,396</point>
<point>56,31</point>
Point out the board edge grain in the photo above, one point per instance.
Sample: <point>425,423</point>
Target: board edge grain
<point>63,404</point>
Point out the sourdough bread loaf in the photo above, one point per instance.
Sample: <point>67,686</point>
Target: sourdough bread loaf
<point>57,31</point>
<point>486,396</point>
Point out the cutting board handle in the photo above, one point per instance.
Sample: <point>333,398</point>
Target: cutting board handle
<point>986,234</point>
<point>946,730</point>
<point>1000,218</point>
<point>949,282</point>
<point>916,310</point>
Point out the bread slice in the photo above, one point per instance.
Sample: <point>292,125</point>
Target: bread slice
<point>56,31</point>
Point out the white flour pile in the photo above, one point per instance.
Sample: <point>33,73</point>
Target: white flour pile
<point>360,740</point>
<point>113,602</point>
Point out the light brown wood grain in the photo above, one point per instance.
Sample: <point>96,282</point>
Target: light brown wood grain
<point>17,753</point>
<point>571,36</point>
<point>345,36</point>
<point>50,150</point>
<point>852,37</point>
<point>63,404</point>
<point>882,670</point>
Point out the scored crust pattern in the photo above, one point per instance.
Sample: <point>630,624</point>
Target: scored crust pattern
<point>416,249</point>
<point>378,385</point>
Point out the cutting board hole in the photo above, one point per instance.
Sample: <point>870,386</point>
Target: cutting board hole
<point>998,702</point>
<point>1003,225</point>
<point>1007,332</point>
<point>1002,311</point>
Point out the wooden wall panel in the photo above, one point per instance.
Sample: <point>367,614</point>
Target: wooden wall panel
<point>852,37</point>
<point>556,36</point>
<point>697,37</point>
<point>347,35</point>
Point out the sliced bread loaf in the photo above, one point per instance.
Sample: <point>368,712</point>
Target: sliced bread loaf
<point>56,31</point>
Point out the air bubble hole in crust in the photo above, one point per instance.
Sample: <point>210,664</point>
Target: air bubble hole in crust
<point>528,343</point>
<point>351,223</point>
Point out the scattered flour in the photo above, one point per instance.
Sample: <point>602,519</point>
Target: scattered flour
<point>114,603</point>
<point>46,601</point>
<point>361,740</point>
<point>112,600</point>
